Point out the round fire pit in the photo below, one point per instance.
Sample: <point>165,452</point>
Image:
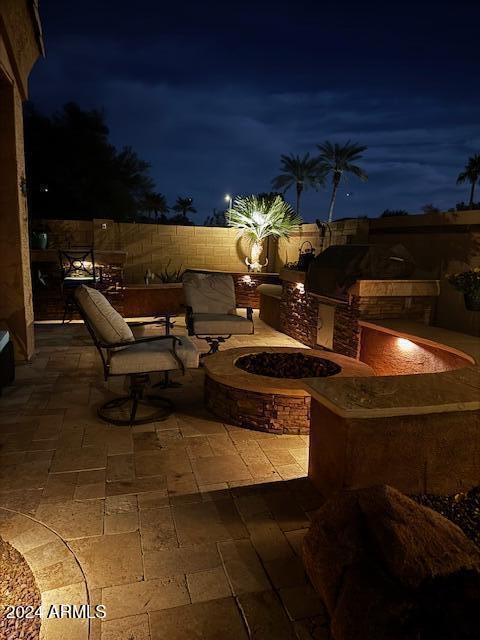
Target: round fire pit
<point>287,365</point>
<point>265,388</point>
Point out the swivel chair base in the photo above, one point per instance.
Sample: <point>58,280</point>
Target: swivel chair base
<point>134,409</point>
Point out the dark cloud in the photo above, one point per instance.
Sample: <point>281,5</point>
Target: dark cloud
<point>212,93</point>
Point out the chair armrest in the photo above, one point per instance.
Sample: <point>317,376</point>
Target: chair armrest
<point>113,345</point>
<point>167,317</point>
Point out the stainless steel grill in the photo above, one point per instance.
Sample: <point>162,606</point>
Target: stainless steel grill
<point>337,268</point>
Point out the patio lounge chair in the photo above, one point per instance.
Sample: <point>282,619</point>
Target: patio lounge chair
<point>124,354</point>
<point>211,308</point>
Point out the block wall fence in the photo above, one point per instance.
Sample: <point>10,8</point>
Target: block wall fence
<point>439,243</point>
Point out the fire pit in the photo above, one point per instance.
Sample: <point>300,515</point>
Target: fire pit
<point>287,365</point>
<point>264,388</point>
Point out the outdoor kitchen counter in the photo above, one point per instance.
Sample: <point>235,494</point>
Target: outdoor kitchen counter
<point>407,431</point>
<point>382,396</point>
<point>385,396</point>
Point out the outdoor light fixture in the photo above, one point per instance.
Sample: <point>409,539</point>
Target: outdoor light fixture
<point>229,199</point>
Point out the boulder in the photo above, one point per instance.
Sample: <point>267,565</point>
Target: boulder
<point>389,568</point>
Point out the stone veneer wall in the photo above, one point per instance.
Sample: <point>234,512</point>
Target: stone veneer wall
<point>418,308</point>
<point>246,288</point>
<point>346,335</point>
<point>260,411</point>
<point>298,314</point>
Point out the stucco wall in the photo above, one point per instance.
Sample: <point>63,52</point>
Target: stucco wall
<point>389,355</point>
<point>20,36</point>
<point>18,51</point>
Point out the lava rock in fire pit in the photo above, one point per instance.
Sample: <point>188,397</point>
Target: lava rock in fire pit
<point>389,569</point>
<point>463,509</point>
<point>287,365</point>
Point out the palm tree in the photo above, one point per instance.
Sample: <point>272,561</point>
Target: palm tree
<point>258,218</point>
<point>184,206</point>
<point>471,174</point>
<point>337,159</point>
<point>157,203</point>
<point>301,172</point>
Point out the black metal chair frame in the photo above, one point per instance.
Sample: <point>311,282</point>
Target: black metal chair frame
<point>213,341</point>
<point>138,381</point>
<point>67,265</point>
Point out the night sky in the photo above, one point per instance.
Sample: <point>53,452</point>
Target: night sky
<point>211,93</point>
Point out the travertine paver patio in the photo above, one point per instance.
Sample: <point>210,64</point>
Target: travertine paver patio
<point>188,528</point>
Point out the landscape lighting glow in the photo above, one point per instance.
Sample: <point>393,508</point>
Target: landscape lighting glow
<point>406,345</point>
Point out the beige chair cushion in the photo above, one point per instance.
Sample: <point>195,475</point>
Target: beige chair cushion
<point>209,292</point>
<point>219,324</point>
<point>148,357</point>
<point>108,324</point>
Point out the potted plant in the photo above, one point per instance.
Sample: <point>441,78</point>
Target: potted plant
<point>468,282</point>
<point>39,236</point>
<point>258,218</point>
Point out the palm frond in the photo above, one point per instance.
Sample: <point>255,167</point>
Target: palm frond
<point>339,159</point>
<point>283,181</point>
<point>471,172</point>
<point>257,218</point>
<point>298,170</point>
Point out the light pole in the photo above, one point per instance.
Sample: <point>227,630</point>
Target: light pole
<point>229,199</point>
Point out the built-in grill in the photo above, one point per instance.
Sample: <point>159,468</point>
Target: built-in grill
<point>337,268</point>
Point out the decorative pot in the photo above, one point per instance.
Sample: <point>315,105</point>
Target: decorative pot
<point>39,240</point>
<point>472,300</point>
<point>254,262</point>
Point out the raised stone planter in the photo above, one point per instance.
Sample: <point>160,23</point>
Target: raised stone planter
<point>263,403</point>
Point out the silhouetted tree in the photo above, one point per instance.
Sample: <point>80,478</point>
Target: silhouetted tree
<point>217,219</point>
<point>337,160</point>
<point>156,203</point>
<point>430,208</point>
<point>73,171</point>
<point>471,174</point>
<point>302,173</point>
<point>391,213</point>
<point>183,206</point>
